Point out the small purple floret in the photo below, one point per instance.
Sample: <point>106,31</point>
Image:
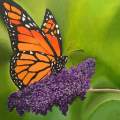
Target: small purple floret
<point>58,90</point>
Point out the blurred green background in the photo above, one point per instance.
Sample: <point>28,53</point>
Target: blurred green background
<point>91,25</point>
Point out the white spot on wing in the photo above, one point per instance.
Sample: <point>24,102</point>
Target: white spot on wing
<point>50,16</point>
<point>24,15</point>
<point>56,26</point>
<point>23,18</point>
<point>34,24</point>
<point>28,18</point>
<point>11,26</point>
<point>44,24</point>
<point>31,24</point>
<point>18,54</point>
<point>58,32</point>
<point>5,13</point>
<point>31,52</point>
<point>27,25</point>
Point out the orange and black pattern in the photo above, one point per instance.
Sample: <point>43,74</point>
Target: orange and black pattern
<point>25,34</point>
<point>29,67</point>
<point>36,52</point>
<point>52,32</point>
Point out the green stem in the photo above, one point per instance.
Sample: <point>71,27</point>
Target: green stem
<point>105,90</point>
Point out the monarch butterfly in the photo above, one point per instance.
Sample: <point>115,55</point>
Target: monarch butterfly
<point>37,52</point>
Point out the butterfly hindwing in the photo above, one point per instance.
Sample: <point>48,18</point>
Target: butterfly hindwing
<point>52,32</point>
<point>29,67</point>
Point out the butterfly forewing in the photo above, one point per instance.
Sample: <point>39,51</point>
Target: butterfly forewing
<point>24,33</point>
<point>52,32</point>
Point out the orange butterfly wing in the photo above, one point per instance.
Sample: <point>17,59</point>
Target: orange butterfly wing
<point>32,51</point>
<point>52,32</point>
<point>27,68</point>
<point>24,33</point>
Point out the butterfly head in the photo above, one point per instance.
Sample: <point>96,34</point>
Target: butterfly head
<point>59,64</point>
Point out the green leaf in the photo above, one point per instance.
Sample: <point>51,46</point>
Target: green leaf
<point>77,56</point>
<point>102,106</point>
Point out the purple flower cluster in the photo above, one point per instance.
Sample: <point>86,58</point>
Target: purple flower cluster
<point>58,90</point>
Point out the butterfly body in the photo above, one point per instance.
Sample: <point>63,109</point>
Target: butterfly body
<point>59,64</point>
<point>37,52</point>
